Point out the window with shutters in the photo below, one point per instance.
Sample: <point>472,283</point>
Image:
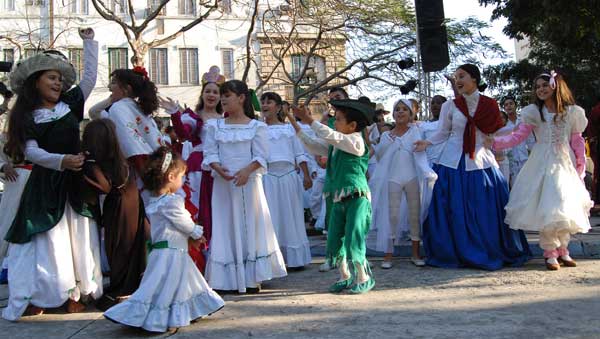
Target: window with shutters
<point>117,59</point>
<point>228,63</point>
<point>8,54</point>
<point>225,6</point>
<point>315,71</point>
<point>30,52</point>
<point>188,66</point>
<point>9,5</point>
<point>187,7</point>
<point>118,6</point>
<point>153,5</point>
<point>76,59</point>
<point>158,66</point>
<point>79,7</point>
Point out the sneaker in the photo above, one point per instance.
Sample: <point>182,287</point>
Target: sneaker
<point>363,287</point>
<point>386,265</point>
<point>341,285</point>
<point>4,277</point>
<point>326,267</point>
<point>417,261</point>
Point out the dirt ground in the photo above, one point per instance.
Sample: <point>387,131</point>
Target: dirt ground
<point>407,302</point>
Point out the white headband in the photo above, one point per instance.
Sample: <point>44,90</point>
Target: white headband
<point>166,163</point>
<point>552,77</point>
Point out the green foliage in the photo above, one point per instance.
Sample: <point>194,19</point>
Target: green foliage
<point>564,35</point>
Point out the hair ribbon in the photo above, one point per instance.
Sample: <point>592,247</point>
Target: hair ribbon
<point>166,162</point>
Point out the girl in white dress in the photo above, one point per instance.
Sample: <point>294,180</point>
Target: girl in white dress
<point>283,186</point>
<point>401,175</point>
<point>548,194</point>
<point>172,292</point>
<point>244,250</point>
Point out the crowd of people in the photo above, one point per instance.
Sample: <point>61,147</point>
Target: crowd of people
<point>216,203</point>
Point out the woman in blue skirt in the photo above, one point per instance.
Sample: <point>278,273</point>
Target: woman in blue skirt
<point>465,226</point>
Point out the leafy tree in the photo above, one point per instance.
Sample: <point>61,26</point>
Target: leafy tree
<point>563,35</point>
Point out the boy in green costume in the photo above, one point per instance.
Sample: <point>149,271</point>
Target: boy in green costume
<point>346,183</point>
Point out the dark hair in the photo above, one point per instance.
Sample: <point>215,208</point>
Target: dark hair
<point>277,98</point>
<point>504,115</point>
<point>101,144</point>
<point>200,104</point>
<point>353,115</point>
<point>475,74</point>
<point>562,95</point>
<point>28,100</point>
<point>142,89</point>
<point>339,89</point>
<point>506,98</point>
<point>153,177</point>
<point>240,88</point>
<point>285,103</point>
<point>441,97</point>
<point>169,129</point>
<point>159,123</point>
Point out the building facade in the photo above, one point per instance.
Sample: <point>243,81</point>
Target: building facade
<point>176,66</point>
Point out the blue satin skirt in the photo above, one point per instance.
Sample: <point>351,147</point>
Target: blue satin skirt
<point>465,226</point>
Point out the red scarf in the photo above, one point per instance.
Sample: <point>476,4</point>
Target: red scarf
<point>486,118</point>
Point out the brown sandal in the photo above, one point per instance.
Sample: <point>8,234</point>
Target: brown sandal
<point>33,311</point>
<point>75,306</point>
<point>566,263</point>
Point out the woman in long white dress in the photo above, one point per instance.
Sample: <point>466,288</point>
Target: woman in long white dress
<point>244,250</point>
<point>549,195</point>
<point>283,186</point>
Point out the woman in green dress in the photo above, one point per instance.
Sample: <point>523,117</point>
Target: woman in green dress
<point>54,255</point>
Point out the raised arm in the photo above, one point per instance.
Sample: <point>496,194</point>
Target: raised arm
<point>90,62</point>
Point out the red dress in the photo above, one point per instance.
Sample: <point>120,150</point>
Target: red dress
<point>188,127</point>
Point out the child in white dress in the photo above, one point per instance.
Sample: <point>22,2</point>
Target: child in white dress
<point>548,194</point>
<point>244,250</point>
<point>283,186</point>
<point>401,175</point>
<point>173,292</point>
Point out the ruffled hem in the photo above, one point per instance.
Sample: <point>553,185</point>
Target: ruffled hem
<point>296,256</point>
<point>277,132</point>
<point>345,192</point>
<point>224,276</point>
<point>156,318</point>
<point>568,224</point>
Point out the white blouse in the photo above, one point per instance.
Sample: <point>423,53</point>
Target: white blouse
<point>352,143</point>
<point>284,145</point>
<point>451,131</point>
<point>235,146</point>
<point>170,221</point>
<point>137,133</point>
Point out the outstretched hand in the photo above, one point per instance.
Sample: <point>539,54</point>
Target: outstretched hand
<point>169,105</point>
<point>302,113</point>
<point>86,33</point>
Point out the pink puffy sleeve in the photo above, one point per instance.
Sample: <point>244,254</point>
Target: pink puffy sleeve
<point>578,146</point>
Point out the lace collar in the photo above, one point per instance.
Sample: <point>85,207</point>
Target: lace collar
<point>42,115</point>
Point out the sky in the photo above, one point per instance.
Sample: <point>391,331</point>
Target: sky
<point>461,9</point>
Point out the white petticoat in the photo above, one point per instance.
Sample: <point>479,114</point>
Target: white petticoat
<point>172,294</point>
<point>244,250</point>
<point>283,190</point>
<point>59,264</point>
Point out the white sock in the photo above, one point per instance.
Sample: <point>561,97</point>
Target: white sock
<point>552,261</point>
<point>566,257</point>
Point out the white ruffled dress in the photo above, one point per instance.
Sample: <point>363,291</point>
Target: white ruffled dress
<point>172,292</point>
<point>284,190</point>
<point>244,249</point>
<point>548,193</point>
